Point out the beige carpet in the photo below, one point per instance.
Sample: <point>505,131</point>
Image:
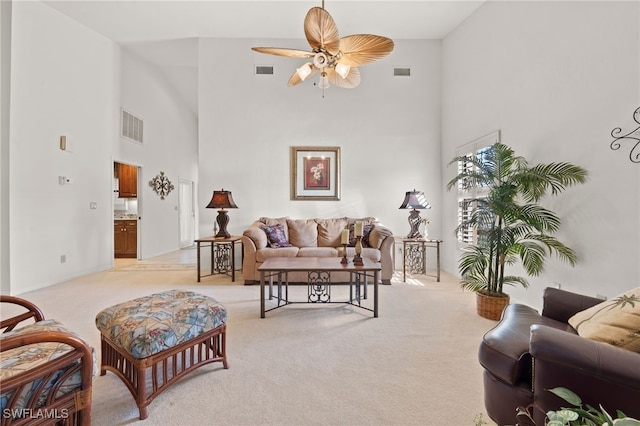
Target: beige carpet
<point>302,365</point>
<point>159,267</point>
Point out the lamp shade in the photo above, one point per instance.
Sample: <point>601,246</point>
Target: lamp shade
<point>222,200</point>
<point>415,200</point>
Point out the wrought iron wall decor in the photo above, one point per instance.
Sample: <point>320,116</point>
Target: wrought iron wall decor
<point>161,185</point>
<point>633,137</point>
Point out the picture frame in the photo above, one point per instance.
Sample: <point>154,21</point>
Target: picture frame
<point>315,173</point>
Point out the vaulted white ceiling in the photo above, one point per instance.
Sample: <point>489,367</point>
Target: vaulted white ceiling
<point>145,20</point>
<point>166,32</point>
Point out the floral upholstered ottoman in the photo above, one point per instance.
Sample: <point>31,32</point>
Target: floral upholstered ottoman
<point>152,341</point>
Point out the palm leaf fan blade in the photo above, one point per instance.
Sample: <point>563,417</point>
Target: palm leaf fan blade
<point>361,49</point>
<point>352,80</point>
<point>281,51</point>
<point>321,30</point>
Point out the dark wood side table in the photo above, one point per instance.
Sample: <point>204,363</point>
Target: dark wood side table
<point>414,256</point>
<point>223,255</point>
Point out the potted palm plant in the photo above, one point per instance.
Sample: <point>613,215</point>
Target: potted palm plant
<point>508,222</point>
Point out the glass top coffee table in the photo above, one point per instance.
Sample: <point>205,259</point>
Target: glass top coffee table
<point>319,283</point>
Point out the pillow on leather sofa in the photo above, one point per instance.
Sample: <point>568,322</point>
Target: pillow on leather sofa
<point>615,321</point>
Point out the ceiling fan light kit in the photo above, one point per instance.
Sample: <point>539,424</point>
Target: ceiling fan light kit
<point>335,58</point>
<point>343,70</point>
<point>305,70</point>
<point>323,83</point>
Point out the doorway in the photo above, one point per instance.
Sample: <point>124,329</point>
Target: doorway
<point>187,214</point>
<point>126,211</point>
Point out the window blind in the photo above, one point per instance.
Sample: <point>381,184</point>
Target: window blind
<point>471,195</point>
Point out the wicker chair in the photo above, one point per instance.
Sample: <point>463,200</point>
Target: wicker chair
<point>46,370</point>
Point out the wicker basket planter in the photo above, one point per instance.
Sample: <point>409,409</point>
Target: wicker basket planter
<point>490,306</point>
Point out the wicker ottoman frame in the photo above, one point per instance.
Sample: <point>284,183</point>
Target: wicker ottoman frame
<point>165,367</point>
<point>147,377</point>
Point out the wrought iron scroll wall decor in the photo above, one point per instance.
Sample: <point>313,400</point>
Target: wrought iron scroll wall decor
<point>161,185</point>
<point>633,137</point>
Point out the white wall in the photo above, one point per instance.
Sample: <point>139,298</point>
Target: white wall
<point>5,91</point>
<point>555,78</point>
<point>170,145</point>
<point>388,130</point>
<point>62,83</point>
<point>68,80</point>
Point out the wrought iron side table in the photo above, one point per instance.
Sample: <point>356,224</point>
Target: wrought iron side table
<point>414,256</point>
<point>223,255</point>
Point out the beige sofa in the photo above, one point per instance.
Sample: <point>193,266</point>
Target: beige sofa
<point>313,238</point>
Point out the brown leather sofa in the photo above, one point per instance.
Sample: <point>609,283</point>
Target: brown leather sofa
<point>527,353</point>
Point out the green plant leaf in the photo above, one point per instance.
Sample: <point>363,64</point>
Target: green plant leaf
<point>627,421</point>
<point>567,395</point>
<point>620,414</point>
<point>604,412</point>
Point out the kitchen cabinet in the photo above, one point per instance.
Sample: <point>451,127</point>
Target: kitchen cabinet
<point>125,238</point>
<point>127,181</point>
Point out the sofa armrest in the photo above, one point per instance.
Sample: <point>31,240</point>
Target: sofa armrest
<point>378,234</point>
<point>257,237</point>
<point>561,305</point>
<point>253,239</point>
<point>384,242</point>
<point>600,373</point>
<point>576,352</point>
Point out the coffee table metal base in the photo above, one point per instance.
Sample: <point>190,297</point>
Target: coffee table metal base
<point>318,282</point>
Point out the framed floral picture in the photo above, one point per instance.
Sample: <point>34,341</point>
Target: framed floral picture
<point>315,173</point>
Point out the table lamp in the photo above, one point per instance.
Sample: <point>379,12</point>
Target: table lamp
<point>415,200</point>
<point>222,200</point>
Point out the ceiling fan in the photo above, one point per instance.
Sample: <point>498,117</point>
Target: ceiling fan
<point>335,58</point>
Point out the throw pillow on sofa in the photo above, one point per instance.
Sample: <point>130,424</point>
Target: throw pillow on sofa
<point>615,321</point>
<point>302,232</point>
<point>276,237</point>
<point>273,221</point>
<point>330,231</point>
<point>366,230</point>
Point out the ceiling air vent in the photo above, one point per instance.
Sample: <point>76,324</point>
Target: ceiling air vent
<point>402,72</point>
<point>264,70</point>
<point>132,127</point>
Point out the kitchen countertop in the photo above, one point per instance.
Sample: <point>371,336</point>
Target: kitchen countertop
<point>127,216</point>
